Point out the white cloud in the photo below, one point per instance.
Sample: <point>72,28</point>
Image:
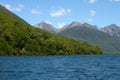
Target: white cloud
<point>92,1</point>
<point>35,12</point>
<point>89,20</point>
<point>7,6</point>
<point>60,12</point>
<point>92,12</point>
<point>48,22</point>
<point>115,0</point>
<point>18,8</point>
<point>60,25</point>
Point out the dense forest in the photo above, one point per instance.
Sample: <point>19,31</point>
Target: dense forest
<point>17,37</point>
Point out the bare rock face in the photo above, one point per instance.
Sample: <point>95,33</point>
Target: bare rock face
<point>46,26</point>
<point>112,30</point>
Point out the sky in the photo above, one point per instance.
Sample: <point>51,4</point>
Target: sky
<point>62,12</point>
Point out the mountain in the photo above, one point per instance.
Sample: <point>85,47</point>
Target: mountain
<point>47,27</point>
<point>77,24</point>
<point>113,30</point>
<point>73,24</point>
<point>17,37</point>
<point>93,35</point>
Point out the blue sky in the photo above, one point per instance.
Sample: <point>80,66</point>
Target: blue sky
<point>62,12</point>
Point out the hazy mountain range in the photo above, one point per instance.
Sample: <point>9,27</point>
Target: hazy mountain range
<point>112,30</point>
<point>108,38</point>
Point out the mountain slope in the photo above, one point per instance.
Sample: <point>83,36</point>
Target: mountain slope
<point>19,38</point>
<point>93,35</point>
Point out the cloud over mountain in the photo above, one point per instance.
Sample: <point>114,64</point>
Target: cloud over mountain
<point>17,8</point>
<point>60,12</point>
<point>60,25</point>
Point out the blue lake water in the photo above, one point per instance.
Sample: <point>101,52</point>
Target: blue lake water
<point>74,67</point>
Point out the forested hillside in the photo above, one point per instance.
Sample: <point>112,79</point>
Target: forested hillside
<point>17,37</point>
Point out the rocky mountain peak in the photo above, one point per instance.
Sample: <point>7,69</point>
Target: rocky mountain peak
<point>42,25</point>
<point>86,24</point>
<point>46,26</point>
<point>112,30</point>
<point>74,24</point>
<point>90,26</point>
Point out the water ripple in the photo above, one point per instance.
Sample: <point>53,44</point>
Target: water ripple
<point>75,67</point>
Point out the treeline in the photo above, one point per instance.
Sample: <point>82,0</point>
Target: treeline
<point>19,38</point>
<point>42,43</point>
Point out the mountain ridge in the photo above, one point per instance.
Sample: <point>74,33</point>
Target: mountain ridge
<point>91,34</point>
<point>78,24</point>
<point>94,35</point>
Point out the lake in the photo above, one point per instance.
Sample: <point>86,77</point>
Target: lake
<point>73,67</point>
